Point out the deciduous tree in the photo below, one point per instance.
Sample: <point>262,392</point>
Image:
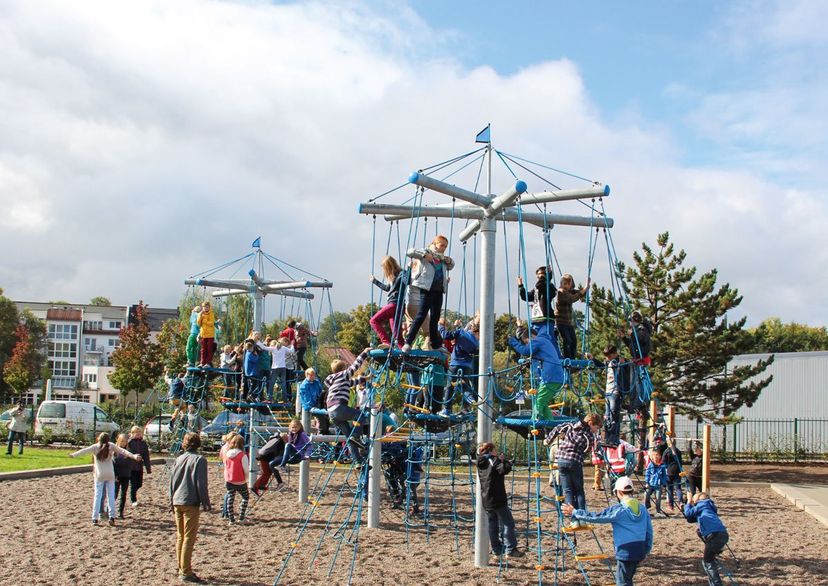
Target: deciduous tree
<point>138,361</point>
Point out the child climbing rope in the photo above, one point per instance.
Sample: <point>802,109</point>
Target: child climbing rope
<point>617,386</point>
<point>339,393</point>
<point>461,365</point>
<point>632,529</point>
<point>541,312</point>
<point>564,320</point>
<point>492,469</point>
<point>546,364</point>
<point>711,530</point>
<point>390,312</point>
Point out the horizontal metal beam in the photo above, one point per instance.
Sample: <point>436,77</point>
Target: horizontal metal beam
<point>449,189</point>
<point>229,292</point>
<point>296,285</point>
<point>565,195</point>
<point>224,283</point>
<point>394,212</point>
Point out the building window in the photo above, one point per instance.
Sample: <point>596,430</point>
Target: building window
<point>63,331</point>
<point>114,325</point>
<point>63,367</point>
<point>90,344</point>
<point>63,350</point>
<point>114,342</point>
<point>93,325</point>
<point>90,377</point>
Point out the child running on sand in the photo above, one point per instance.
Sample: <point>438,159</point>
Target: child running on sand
<point>104,471</point>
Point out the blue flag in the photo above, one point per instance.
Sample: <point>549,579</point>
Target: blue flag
<point>484,135</point>
<point>257,243</point>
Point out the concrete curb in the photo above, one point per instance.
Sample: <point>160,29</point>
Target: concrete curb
<point>812,499</point>
<point>63,471</point>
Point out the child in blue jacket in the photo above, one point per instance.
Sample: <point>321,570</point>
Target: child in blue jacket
<point>711,530</point>
<point>655,476</point>
<point>546,364</point>
<point>632,529</point>
<point>461,366</point>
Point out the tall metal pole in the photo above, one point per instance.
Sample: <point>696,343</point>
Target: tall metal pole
<point>488,232</point>
<point>374,474</point>
<point>258,309</point>
<point>304,465</point>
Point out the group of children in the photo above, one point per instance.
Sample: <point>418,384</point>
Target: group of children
<point>631,522</point>
<point>117,467</point>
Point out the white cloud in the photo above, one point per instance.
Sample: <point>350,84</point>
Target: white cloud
<point>153,140</point>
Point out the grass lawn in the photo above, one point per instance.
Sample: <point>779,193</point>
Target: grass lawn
<point>34,458</point>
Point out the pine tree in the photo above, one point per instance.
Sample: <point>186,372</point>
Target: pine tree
<point>138,361</point>
<point>692,340</point>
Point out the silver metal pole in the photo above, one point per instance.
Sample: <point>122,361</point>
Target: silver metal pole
<point>488,235</point>
<point>258,309</point>
<point>374,477</point>
<point>304,465</point>
<point>252,448</point>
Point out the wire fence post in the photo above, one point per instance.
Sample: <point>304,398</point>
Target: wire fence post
<point>796,439</point>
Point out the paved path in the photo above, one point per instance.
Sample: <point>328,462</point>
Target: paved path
<point>811,498</point>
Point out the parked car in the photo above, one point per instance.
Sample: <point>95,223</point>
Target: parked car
<point>157,428</point>
<point>227,421</point>
<point>64,419</point>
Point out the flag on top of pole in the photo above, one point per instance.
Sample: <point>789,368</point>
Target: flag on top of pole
<point>484,135</point>
<point>257,243</point>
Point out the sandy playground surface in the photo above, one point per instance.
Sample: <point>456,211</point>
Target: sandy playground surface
<point>49,539</point>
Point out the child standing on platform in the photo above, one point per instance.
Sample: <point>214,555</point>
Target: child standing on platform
<point>430,279</point>
<point>192,340</point>
<point>207,334</point>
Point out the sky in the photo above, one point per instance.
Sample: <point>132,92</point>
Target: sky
<point>143,143</point>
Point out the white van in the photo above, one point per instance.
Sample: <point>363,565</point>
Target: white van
<point>65,418</point>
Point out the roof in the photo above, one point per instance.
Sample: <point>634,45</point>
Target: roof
<point>64,314</point>
<point>336,353</point>
<point>156,316</point>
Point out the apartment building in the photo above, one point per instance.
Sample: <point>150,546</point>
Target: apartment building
<point>80,342</point>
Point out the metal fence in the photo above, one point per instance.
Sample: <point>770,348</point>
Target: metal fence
<point>775,440</point>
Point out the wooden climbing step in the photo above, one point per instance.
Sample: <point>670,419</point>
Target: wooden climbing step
<point>578,528</point>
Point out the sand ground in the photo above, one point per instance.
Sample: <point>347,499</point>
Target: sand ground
<point>50,540</point>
